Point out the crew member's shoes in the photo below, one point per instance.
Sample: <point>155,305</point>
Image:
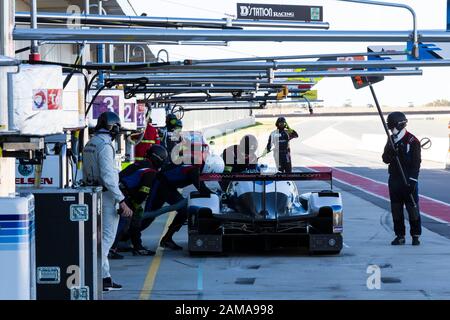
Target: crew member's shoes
<point>398,241</point>
<point>415,241</point>
<point>109,285</point>
<point>170,244</point>
<point>114,255</point>
<point>142,251</point>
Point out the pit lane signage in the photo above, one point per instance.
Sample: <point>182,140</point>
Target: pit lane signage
<point>103,103</point>
<point>256,11</point>
<point>47,99</point>
<point>140,115</point>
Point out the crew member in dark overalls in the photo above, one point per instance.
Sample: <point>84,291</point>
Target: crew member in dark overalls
<point>280,138</point>
<point>165,189</point>
<point>240,157</point>
<point>136,182</point>
<point>407,146</point>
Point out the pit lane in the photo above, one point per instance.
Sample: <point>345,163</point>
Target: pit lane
<point>406,272</point>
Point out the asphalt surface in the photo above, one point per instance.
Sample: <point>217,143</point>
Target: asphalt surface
<point>405,272</point>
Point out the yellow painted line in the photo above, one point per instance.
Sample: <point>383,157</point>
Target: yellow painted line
<point>154,266</point>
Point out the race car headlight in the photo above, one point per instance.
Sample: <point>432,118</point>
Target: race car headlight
<point>337,221</point>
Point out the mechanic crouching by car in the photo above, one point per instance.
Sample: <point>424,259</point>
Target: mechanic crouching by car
<point>280,138</point>
<point>165,189</point>
<point>99,170</point>
<point>240,157</point>
<point>408,149</point>
<point>136,182</point>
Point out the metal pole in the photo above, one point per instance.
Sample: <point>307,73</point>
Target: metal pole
<point>87,49</point>
<point>7,8</point>
<point>34,51</point>
<point>391,143</point>
<point>241,77</point>
<point>306,56</point>
<point>310,109</point>
<point>100,50</point>
<point>415,50</point>
<point>159,34</point>
<point>165,22</point>
<point>309,65</point>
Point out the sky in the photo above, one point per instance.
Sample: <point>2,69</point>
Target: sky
<point>393,91</point>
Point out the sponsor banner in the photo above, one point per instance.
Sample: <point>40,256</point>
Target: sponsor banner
<point>257,11</point>
<point>25,173</point>
<point>47,99</point>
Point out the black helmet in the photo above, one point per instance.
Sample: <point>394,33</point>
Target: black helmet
<point>171,120</point>
<point>109,121</point>
<point>157,155</point>
<point>396,120</point>
<point>248,144</point>
<point>280,120</point>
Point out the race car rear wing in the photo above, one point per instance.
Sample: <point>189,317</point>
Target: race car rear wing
<point>294,176</point>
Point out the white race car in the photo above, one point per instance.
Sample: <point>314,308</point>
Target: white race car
<point>268,206</point>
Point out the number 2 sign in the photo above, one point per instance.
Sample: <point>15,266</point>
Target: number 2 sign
<point>129,112</point>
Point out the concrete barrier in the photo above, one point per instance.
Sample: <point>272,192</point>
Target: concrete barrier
<point>227,127</point>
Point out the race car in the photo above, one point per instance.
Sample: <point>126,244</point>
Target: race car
<point>268,206</point>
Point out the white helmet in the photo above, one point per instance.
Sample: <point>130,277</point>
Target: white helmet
<point>213,164</point>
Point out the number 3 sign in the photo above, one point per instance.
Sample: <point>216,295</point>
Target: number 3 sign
<point>105,103</point>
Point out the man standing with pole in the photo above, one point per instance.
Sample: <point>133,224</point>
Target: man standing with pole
<point>402,153</point>
<point>404,158</point>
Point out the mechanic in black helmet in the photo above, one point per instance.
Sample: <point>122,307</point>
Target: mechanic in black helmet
<point>407,146</point>
<point>279,139</point>
<point>99,169</point>
<point>136,182</point>
<point>240,157</point>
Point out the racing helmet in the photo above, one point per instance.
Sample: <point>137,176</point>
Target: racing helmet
<point>280,120</point>
<point>157,155</point>
<point>248,144</point>
<point>109,121</point>
<point>396,120</point>
<point>213,164</point>
<point>171,121</point>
